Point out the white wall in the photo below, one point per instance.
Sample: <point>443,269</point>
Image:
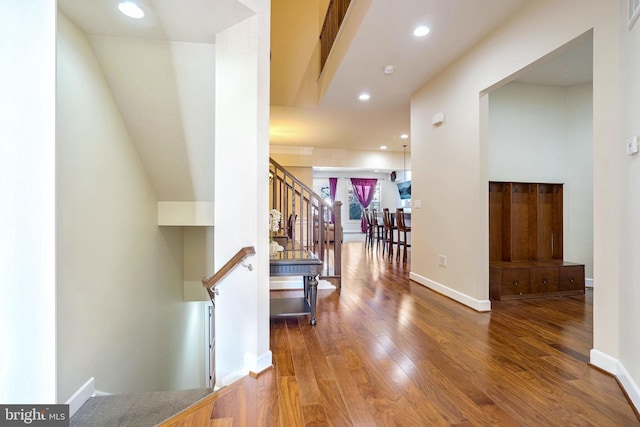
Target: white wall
<point>303,174</point>
<point>241,209</point>
<point>27,194</point>
<point>527,133</point>
<point>167,109</point>
<point>629,225</point>
<point>340,158</point>
<point>121,315</point>
<point>540,133</point>
<point>450,163</point>
<point>578,190</point>
<point>198,261</point>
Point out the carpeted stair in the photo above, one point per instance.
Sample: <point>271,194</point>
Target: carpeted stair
<point>135,410</point>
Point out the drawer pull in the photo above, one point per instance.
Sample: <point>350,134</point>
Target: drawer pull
<point>544,281</point>
<point>571,280</point>
<point>516,283</point>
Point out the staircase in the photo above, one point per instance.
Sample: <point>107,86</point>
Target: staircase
<point>141,409</point>
<point>308,221</point>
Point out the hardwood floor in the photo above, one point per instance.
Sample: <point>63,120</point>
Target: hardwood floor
<point>389,352</point>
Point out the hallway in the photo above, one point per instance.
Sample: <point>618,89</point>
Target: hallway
<point>387,351</point>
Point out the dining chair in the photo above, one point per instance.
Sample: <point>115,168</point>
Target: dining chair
<point>368,227</point>
<point>378,228</point>
<point>389,228</point>
<point>403,229</point>
<point>291,228</point>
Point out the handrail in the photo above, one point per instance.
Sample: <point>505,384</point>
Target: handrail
<point>314,224</point>
<point>300,183</point>
<point>235,260</point>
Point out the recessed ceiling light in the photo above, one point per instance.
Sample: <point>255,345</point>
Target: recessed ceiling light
<point>404,136</point>
<point>389,69</point>
<point>383,147</point>
<point>364,96</point>
<point>421,31</point>
<point>130,9</point>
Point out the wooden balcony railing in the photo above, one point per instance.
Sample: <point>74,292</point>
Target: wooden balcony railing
<point>308,221</point>
<point>332,21</point>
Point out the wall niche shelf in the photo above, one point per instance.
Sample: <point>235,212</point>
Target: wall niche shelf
<point>526,243</point>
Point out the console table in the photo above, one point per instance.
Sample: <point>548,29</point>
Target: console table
<point>297,262</point>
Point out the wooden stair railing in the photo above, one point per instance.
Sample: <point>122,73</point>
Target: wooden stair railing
<point>211,282</point>
<point>318,224</point>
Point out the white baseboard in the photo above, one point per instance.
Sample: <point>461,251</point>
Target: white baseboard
<point>258,364</point>
<point>232,377</point>
<point>83,394</point>
<point>604,361</point>
<point>252,363</point>
<point>617,369</point>
<point>478,305</point>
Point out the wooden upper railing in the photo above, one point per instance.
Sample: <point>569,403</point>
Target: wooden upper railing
<point>335,15</point>
<point>308,221</point>
<point>211,282</point>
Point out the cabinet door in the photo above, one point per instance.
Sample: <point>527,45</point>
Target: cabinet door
<point>549,221</point>
<point>515,281</point>
<point>571,278</point>
<point>544,279</point>
<point>522,218</point>
<point>496,212</point>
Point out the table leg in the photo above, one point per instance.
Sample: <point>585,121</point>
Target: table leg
<point>313,293</point>
<point>305,281</point>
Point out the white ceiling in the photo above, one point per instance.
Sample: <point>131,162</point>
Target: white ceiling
<point>169,20</point>
<point>339,120</point>
<point>571,65</point>
<point>385,37</point>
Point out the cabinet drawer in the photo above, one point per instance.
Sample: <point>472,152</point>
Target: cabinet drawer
<point>544,279</point>
<point>571,278</point>
<point>515,282</point>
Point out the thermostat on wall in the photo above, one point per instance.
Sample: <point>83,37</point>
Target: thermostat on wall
<point>437,119</point>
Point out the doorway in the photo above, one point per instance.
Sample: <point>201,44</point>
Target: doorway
<point>540,129</point>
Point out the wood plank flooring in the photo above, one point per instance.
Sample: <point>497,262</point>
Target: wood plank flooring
<point>389,352</point>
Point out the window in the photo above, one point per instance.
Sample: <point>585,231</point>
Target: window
<point>375,202</point>
<point>355,208</point>
<point>325,193</point>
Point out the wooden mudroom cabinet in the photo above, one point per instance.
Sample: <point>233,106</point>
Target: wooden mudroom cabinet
<point>525,243</point>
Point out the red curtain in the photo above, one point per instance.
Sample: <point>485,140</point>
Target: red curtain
<point>333,184</point>
<point>364,188</point>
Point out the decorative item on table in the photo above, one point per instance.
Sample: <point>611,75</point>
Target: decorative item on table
<point>274,226</point>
